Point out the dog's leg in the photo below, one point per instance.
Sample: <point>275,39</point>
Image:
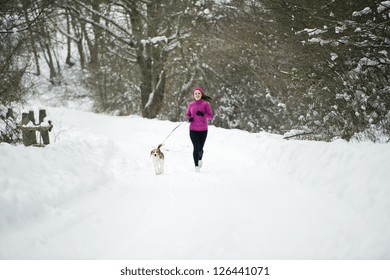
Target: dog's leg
<point>156,169</point>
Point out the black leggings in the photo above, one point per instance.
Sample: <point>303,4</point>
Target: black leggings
<point>198,139</point>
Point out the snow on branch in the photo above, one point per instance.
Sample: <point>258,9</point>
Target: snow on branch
<point>363,12</point>
<point>383,6</point>
<point>154,40</point>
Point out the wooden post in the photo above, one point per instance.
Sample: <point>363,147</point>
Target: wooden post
<point>24,132</point>
<point>29,136</point>
<point>31,117</point>
<point>42,115</point>
<point>44,133</point>
<point>10,114</point>
<point>24,118</point>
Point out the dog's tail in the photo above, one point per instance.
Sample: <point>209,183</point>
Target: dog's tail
<point>159,146</point>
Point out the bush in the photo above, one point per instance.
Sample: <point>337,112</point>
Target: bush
<point>9,130</point>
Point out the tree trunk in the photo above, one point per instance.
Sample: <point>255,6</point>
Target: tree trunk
<point>78,31</point>
<point>50,62</point>
<point>33,44</point>
<point>94,48</point>
<point>68,60</point>
<point>47,52</point>
<point>150,59</point>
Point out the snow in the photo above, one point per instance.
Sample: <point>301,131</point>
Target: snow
<point>155,40</point>
<point>92,194</point>
<point>333,56</point>
<point>282,105</point>
<point>367,61</point>
<point>314,31</point>
<point>383,6</point>
<point>365,11</point>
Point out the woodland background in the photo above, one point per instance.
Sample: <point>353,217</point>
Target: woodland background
<point>314,67</point>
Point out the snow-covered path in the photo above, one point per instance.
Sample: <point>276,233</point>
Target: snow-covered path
<point>93,195</point>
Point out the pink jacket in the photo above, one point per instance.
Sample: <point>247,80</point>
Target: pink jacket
<point>200,122</point>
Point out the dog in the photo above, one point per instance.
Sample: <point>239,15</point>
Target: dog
<point>158,160</point>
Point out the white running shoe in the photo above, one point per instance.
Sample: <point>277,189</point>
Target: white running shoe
<point>200,163</point>
<point>197,169</point>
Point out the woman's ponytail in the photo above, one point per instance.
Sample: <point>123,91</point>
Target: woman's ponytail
<point>206,98</point>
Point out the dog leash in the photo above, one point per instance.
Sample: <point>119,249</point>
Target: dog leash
<point>172,132</point>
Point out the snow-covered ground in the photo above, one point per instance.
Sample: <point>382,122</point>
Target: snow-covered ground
<point>92,194</point>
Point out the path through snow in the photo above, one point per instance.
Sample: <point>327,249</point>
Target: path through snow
<point>92,194</point>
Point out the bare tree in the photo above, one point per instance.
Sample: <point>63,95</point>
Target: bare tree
<point>18,26</point>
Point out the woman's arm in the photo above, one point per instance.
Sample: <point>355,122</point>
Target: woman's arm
<point>188,115</point>
<point>208,112</point>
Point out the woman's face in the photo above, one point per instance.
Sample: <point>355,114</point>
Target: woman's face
<point>197,95</point>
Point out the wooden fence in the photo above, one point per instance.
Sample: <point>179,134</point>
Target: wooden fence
<point>32,128</point>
